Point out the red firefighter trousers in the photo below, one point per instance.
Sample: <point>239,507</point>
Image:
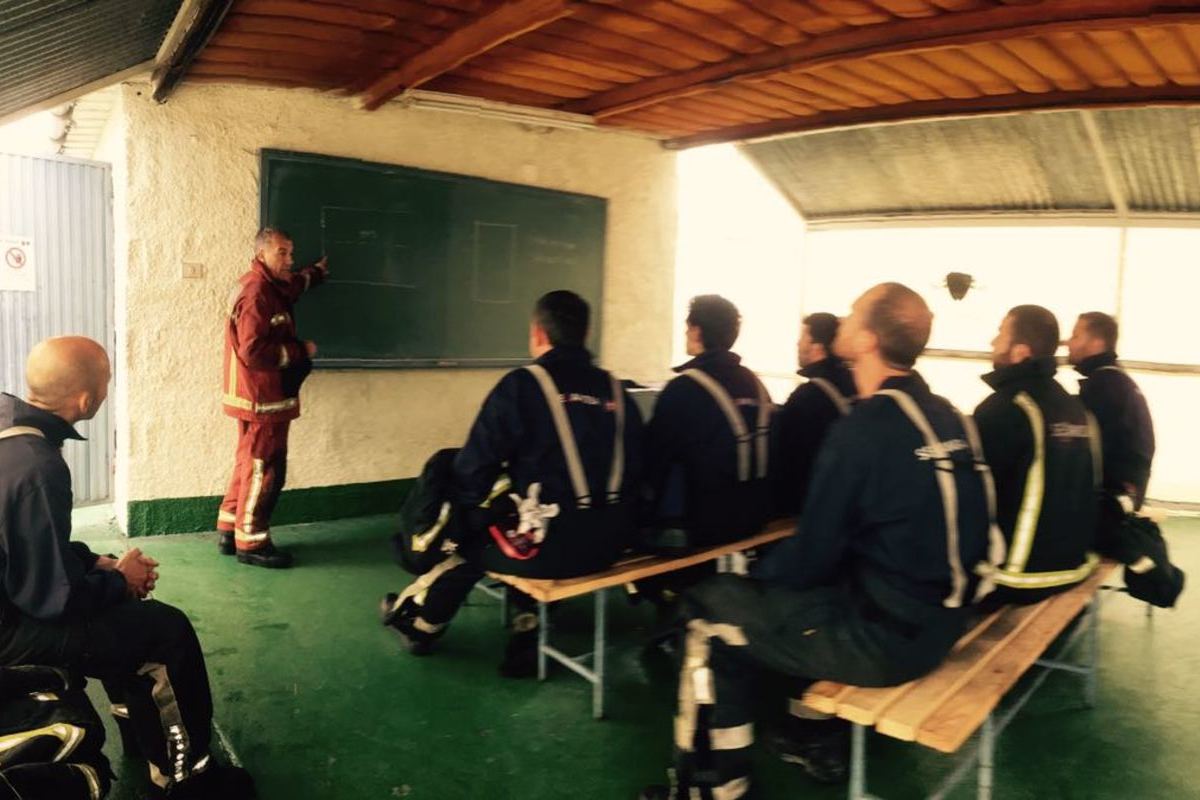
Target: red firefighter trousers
<point>259,471</point>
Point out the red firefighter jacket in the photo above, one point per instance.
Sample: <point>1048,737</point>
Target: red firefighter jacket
<point>264,361</point>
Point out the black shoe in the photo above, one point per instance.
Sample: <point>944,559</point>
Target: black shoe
<point>270,557</point>
<point>215,783</point>
<point>656,791</point>
<point>397,619</point>
<point>825,759</point>
<point>225,545</point>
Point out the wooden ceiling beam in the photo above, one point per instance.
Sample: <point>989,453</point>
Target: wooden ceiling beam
<point>482,34</point>
<point>193,27</point>
<point>950,108</point>
<point>946,30</point>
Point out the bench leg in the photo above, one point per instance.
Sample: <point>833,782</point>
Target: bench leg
<point>858,763</point>
<point>598,655</point>
<point>543,639</point>
<point>987,754</point>
<point>1093,635</point>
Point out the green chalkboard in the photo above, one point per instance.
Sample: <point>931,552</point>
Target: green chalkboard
<point>428,268</point>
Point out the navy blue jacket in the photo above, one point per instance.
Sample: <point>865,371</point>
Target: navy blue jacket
<point>1047,492</point>
<point>800,427</point>
<point>42,573</point>
<point>1125,425</point>
<point>514,433</point>
<point>874,515</point>
<point>691,450</point>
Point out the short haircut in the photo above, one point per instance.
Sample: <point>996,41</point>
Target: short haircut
<point>1035,327</point>
<point>564,316</point>
<point>1102,326</point>
<point>718,320</point>
<point>822,329</point>
<point>262,239</point>
<point>901,321</point>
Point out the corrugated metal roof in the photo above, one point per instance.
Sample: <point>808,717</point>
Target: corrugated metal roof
<point>1038,163</point>
<point>48,47</point>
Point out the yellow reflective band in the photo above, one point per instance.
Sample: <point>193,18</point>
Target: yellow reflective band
<point>279,319</point>
<point>261,408</point>
<point>734,738</point>
<point>226,516</point>
<point>256,481</point>
<point>283,357</point>
<point>1047,580</point>
<point>732,790</point>
<point>421,541</point>
<point>69,735</point>
<point>1035,488</point>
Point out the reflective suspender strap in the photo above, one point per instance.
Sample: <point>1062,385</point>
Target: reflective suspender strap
<point>996,545</point>
<point>762,434</point>
<point>943,472</point>
<point>21,430</point>
<point>725,403</point>
<point>566,438</point>
<point>837,398</point>
<point>1095,442</point>
<point>617,472</point>
<point>1035,487</point>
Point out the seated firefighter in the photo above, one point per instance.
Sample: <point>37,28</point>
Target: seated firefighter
<point>873,587</point>
<point>543,488</point>
<point>1044,451</point>
<point>64,606</point>
<point>707,450</point>
<point>800,426</point>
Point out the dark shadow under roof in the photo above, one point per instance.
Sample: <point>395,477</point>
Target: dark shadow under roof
<point>1107,163</point>
<point>48,47</point>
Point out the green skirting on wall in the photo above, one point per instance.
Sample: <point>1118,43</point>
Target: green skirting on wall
<point>190,514</point>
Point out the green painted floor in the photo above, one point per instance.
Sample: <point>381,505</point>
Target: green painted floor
<point>318,701</point>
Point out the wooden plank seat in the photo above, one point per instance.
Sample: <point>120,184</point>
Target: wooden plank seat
<point>628,570</point>
<point>946,707</point>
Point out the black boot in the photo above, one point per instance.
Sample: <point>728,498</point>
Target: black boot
<point>225,545</point>
<point>215,783</point>
<point>521,652</point>
<point>270,557</point>
<point>819,747</point>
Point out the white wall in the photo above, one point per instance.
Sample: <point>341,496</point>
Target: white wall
<point>193,195</point>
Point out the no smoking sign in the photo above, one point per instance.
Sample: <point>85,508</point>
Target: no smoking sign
<point>17,266</point>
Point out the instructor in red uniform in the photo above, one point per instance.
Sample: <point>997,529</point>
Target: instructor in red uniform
<point>264,366</point>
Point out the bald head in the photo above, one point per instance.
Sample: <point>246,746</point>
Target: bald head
<point>900,320</point>
<point>68,376</point>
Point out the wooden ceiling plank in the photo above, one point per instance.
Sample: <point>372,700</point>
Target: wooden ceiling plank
<point>1164,46</point>
<point>317,12</point>
<point>855,12</point>
<point>470,87</point>
<point>646,29</point>
<point>1191,36</point>
<point>714,28</point>
<point>505,78</point>
<point>877,92</point>
<point>808,98</point>
<point>823,88</point>
<point>1016,70</point>
<point>901,82</point>
<point>283,59</point>
<point>736,98</point>
<point>533,69</point>
<point>1127,54</point>
<point>1043,58</point>
<point>951,29</point>
<point>551,42</point>
<point>565,63</point>
<point>1169,94</point>
<point>745,18</point>
<point>428,14</point>
<point>773,94</point>
<point>702,108</point>
<point>664,57</point>
<point>908,9</point>
<point>805,17</point>
<point>253,23</point>
<point>270,41</point>
<point>1089,58</point>
<point>251,72</point>
<point>240,80</point>
<point>958,61</point>
<point>961,5</point>
<point>506,22</point>
<point>950,86</point>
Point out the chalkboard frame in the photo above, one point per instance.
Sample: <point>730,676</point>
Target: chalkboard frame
<point>271,156</point>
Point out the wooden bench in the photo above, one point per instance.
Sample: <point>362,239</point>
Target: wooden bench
<point>626,571</point>
<point>943,709</point>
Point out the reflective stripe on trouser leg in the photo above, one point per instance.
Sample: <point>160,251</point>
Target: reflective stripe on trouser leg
<point>227,515</point>
<point>262,464</point>
<point>713,732</point>
<point>439,593</point>
<point>179,749</point>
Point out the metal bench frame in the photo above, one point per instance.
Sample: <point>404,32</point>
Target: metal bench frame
<point>983,752</point>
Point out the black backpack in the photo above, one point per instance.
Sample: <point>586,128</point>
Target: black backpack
<point>51,738</point>
<point>1138,543</point>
